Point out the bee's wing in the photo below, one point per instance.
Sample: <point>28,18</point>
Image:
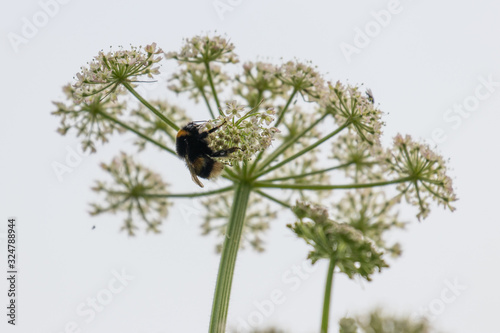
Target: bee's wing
<point>193,174</point>
<point>194,177</point>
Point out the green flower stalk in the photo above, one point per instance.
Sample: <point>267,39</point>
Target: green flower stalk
<point>275,121</point>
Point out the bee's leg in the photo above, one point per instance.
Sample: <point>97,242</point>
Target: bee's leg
<point>224,152</point>
<point>206,133</point>
<point>216,128</point>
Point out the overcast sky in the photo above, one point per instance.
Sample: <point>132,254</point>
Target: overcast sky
<point>434,68</point>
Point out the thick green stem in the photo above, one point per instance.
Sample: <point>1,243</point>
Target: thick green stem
<point>145,137</point>
<point>316,187</point>
<point>327,299</point>
<point>228,258</point>
<point>149,106</point>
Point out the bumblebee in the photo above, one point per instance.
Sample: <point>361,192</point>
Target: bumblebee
<point>192,146</point>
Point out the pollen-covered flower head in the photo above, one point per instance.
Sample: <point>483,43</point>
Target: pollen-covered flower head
<point>426,172</point>
<point>91,119</point>
<point>106,73</point>
<point>205,49</point>
<point>351,107</point>
<point>347,247</point>
<point>135,190</point>
<point>248,131</point>
<point>303,78</point>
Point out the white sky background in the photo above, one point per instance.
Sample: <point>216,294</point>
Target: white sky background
<point>429,57</point>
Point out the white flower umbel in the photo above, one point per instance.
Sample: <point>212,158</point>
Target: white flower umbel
<point>135,190</point>
<point>426,171</point>
<point>259,78</point>
<point>109,72</point>
<point>93,119</point>
<point>204,49</point>
<point>303,78</point>
<point>276,169</point>
<point>349,106</point>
